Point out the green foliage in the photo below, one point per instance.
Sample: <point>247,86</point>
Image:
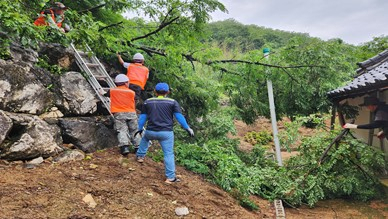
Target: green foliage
<point>54,69</point>
<point>290,134</point>
<point>348,171</point>
<point>261,138</point>
<point>5,53</point>
<point>350,112</point>
<point>16,25</point>
<point>313,121</point>
<point>215,125</point>
<point>248,204</point>
<point>371,48</point>
<point>316,67</point>
<point>156,154</point>
<point>259,156</point>
<point>233,35</point>
<point>303,90</point>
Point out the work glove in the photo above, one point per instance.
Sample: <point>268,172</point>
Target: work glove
<point>190,132</point>
<point>139,132</point>
<point>380,134</point>
<point>101,92</point>
<point>349,126</point>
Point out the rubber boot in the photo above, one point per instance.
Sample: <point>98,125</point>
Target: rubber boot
<point>124,150</point>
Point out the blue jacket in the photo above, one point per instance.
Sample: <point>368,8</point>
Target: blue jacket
<point>160,112</point>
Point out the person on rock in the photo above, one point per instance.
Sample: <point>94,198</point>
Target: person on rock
<point>53,17</point>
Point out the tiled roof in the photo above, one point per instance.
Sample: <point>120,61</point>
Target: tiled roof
<point>372,75</point>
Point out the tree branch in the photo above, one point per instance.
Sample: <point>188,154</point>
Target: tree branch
<point>150,50</point>
<point>91,9</point>
<point>161,26</point>
<point>111,25</point>
<point>230,72</point>
<point>190,58</point>
<point>259,63</point>
<point>289,75</point>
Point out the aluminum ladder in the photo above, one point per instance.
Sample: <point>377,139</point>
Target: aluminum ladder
<point>94,72</point>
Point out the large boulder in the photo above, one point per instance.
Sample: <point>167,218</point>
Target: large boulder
<point>20,91</point>
<point>89,133</point>
<point>33,99</point>
<point>57,54</point>
<point>5,126</point>
<point>78,96</point>
<point>30,137</point>
<point>21,54</point>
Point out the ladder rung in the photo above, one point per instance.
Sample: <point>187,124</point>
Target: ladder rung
<point>82,53</point>
<point>95,76</point>
<point>92,65</point>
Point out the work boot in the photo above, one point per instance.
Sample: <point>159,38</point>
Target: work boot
<point>124,150</point>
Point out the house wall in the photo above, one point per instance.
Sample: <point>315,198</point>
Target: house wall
<point>366,117</point>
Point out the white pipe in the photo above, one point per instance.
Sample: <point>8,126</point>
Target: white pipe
<point>273,114</point>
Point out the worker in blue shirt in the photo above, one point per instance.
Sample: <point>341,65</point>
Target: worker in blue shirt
<point>159,111</point>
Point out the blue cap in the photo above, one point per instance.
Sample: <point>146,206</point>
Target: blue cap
<point>162,87</point>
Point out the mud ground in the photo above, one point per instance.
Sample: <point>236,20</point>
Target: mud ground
<point>123,188</point>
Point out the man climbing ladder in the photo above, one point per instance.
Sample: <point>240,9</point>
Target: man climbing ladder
<point>121,104</point>
<point>137,74</point>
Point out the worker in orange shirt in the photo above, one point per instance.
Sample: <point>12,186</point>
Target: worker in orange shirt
<point>137,73</point>
<point>122,106</point>
<point>53,17</point>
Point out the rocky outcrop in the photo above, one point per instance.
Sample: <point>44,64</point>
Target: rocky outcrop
<point>58,55</point>
<point>21,91</point>
<point>5,127</point>
<point>30,137</point>
<point>19,53</point>
<point>88,134</point>
<point>40,110</point>
<point>78,96</point>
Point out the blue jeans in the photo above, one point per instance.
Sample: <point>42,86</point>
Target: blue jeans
<point>166,140</point>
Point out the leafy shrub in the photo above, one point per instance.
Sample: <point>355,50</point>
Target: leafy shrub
<point>302,180</point>
<point>156,154</point>
<point>259,156</point>
<point>261,138</point>
<point>312,121</point>
<point>54,69</point>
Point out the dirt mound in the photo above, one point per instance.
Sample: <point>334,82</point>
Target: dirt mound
<point>122,188</point>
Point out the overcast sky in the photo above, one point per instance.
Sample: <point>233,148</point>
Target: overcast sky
<point>354,21</point>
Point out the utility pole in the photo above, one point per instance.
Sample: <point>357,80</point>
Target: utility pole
<point>272,110</point>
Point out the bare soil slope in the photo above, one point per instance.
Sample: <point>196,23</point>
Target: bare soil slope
<point>122,188</point>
